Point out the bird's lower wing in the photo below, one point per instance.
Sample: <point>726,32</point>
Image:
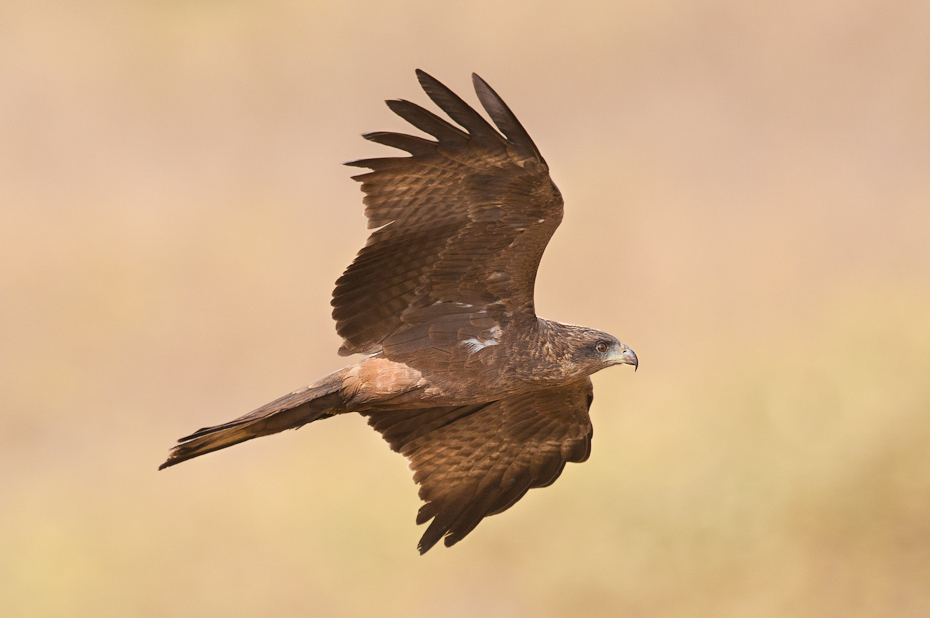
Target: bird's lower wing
<point>475,461</point>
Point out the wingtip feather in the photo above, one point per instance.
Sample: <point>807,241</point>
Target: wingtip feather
<point>504,118</point>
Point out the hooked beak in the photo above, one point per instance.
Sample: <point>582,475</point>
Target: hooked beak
<point>626,357</point>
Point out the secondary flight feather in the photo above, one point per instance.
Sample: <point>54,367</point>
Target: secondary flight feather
<point>485,399</point>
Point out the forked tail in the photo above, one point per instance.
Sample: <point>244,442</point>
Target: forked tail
<point>303,406</point>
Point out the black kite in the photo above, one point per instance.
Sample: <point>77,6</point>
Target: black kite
<point>484,399</point>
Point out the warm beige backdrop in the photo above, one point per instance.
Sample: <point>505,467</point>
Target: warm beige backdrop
<point>747,195</point>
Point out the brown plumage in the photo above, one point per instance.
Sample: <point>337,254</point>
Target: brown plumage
<point>483,398</point>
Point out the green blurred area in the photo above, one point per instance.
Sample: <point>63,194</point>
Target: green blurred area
<point>747,206</point>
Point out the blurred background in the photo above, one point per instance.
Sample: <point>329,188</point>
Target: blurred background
<point>747,193</point>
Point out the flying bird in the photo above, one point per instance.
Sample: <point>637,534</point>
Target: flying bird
<point>484,399</point>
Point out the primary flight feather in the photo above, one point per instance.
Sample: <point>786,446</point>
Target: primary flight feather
<point>484,399</point>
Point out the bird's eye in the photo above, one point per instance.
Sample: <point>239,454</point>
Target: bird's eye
<point>601,346</point>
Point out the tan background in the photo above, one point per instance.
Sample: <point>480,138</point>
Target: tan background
<point>748,207</point>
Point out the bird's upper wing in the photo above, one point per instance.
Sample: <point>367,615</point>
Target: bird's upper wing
<point>462,224</point>
<point>475,461</point>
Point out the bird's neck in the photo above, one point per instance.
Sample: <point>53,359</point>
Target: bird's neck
<point>548,359</point>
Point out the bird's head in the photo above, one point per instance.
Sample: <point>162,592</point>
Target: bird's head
<point>594,350</point>
<point>608,350</point>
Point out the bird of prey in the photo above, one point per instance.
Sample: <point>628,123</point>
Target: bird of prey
<point>483,398</point>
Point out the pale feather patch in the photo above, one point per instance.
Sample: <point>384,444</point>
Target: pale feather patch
<point>475,344</point>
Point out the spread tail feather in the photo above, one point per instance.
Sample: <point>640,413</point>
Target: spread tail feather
<point>291,411</point>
